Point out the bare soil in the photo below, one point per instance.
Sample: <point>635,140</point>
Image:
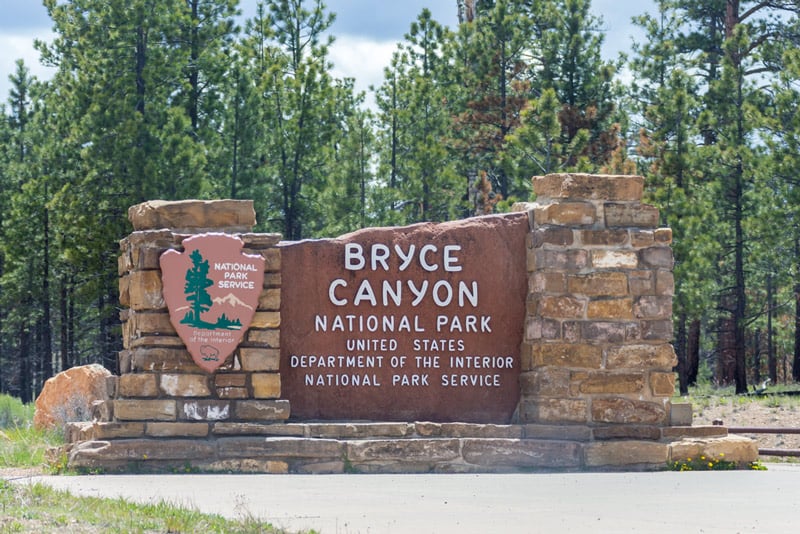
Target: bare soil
<point>742,412</point>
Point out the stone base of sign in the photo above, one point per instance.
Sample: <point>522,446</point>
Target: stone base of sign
<point>422,447</point>
<point>594,382</point>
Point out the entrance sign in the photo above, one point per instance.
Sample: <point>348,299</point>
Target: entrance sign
<point>406,324</point>
<point>211,290</point>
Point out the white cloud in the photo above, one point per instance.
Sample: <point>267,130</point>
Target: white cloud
<point>363,59</point>
<point>20,46</point>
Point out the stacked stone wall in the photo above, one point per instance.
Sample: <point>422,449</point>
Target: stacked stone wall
<point>599,308</point>
<point>160,391</point>
<point>596,364</point>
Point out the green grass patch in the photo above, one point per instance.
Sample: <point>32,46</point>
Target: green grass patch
<point>14,413</point>
<point>21,445</point>
<point>38,508</point>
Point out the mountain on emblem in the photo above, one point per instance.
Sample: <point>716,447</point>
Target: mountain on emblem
<point>212,292</point>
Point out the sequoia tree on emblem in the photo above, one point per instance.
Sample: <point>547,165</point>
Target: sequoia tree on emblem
<point>211,290</point>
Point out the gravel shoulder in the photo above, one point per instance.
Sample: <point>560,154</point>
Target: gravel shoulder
<point>774,412</point>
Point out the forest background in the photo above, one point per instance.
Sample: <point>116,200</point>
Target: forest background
<point>173,99</point>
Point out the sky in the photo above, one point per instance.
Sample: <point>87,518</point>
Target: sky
<point>367,32</point>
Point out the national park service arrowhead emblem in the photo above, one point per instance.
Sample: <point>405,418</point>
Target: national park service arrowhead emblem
<point>212,291</point>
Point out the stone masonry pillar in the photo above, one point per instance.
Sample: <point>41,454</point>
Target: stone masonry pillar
<point>597,346</point>
<point>161,392</point>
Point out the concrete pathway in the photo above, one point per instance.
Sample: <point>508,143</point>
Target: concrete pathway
<point>668,502</point>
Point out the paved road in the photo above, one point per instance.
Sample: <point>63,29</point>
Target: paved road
<point>668,502</point>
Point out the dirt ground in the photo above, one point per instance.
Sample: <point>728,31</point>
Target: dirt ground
<point>772,412</point>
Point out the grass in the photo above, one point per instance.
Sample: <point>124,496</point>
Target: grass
<point>38,508</point>
<point>704,396</point>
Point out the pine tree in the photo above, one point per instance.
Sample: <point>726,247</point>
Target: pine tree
<point>195,290</point>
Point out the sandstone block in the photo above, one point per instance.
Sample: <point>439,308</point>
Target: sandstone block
<point>117,430</point>
<point>149,323</point>
<point>625,453</point>
<point>571,331</point>
<point>99,453</point>
<point>266,385</point>
<point>260,359</point>
<point>551,235</point>
<point>236,215</point>
<point>601,284</point>
<point>266,410</point>
<point>162,359</point>
<point>656,257</point>
<point>260,241</point>
<point>627,411</point>
<point>662,384</point>
<point>206,410</point>
<point>247,465</point>
<point>566,214</point>
<point>557,432</point>
<point>526,453</point>
<point>615,308</point>
<point>68,396</point>
<point>738,449</point>
<point>606,238</point>
<point>653,307</point>
<point>272,259</point>
<point>589,186</point>
<point>472,430</point>
<point>266,319</point>
<point>561,260</point>
<point>138,385</point>
<point>177,430</point>
<point>567,355</point>
<point>614,259</point>
<point>145,410</point>
<point>259,429</point>
<point>546,381</point>
<point>630,215</point>
<point>530,258</point>
<point>562,307</point>
<point>547,282</point>
<point>232,393</point>
<point>637,432</point>
<point>273,279</point>
<point>665,283</point>
<point>279,447</point>
<point>603,331</point>
<point>660,356</point>
<point>145,290</point>
<point>642,238</point>
<point>552,411</point>
<point>658,330</point>
<point>417,450</point>
<point>223,380</point>
<point>680,414</point>
<point>125,291</point>
<point>676,433</point>
<point>270,299</point>
<point>641,282</point>
<point>185,385</point>
<point>608,383</point>
<point>663,236</point>
<point>359,430</point>
<point>268,338</point>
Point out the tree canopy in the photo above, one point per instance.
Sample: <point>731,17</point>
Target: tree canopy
<point>177,99</point>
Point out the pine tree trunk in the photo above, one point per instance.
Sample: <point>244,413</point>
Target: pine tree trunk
<point>693,352</point>
<point>680,350</point>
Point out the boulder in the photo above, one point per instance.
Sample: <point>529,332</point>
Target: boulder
<point>69,395</point>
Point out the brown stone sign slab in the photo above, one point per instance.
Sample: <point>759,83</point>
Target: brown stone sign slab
<point>211,290</point>
<point>403,324</point>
